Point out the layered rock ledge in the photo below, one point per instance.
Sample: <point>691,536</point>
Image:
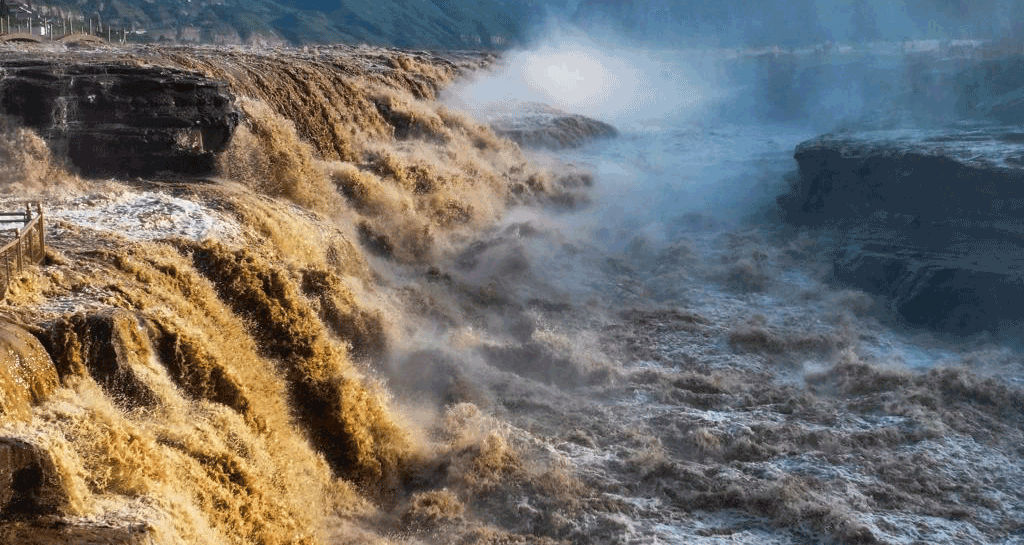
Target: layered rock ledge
<point>109,117</point>
<point>541,126</point>
<point>927,219</point>
<point>939,174</point>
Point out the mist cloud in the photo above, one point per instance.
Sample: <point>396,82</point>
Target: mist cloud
<point>575,73</point>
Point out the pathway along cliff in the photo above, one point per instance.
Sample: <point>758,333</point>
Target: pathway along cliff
<point>340,312</point>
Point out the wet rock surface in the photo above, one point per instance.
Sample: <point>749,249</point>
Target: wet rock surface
<point>86,532</point>
<point>115,118</point>
<point>540,126</point>
<point>928,219</point>
<point>938,174</point>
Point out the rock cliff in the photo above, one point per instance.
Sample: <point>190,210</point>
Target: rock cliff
<point>940,174</point>
<point>113,118</point>
<point>928,219</point>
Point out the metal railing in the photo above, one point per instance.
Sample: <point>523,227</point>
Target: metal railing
<point>28,246</point>
<point>57,29</point>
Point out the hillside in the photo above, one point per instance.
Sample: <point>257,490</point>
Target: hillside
<point>799,22</point>
<point>499,24</point>
<point>408,23</point>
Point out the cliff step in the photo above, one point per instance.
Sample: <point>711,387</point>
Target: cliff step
<point>535,125</point>
<point>112,118</point>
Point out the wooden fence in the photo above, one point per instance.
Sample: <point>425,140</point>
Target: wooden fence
<point>28,246</point>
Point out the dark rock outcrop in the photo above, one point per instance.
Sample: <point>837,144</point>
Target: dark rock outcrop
<point>1007,108</point>
<point>30,483</point>
<point>49,530</point>
<point>966,171</point>
<point>111,118</point>
<point>958,277</point>
<point>103,345</point>
<point>541,126</point>
<point>930,220</point>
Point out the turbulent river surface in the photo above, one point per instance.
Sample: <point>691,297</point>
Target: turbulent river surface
<point>382,322</point>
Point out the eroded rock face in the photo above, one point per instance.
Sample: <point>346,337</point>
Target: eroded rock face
<point>110,118</point>
<point>29,481</point>
<point>941,174</point>
<point>927,219</point>
<point>541,126</point>
<point>45,531</point>
<point>959,276</point>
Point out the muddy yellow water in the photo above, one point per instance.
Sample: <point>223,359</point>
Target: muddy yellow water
<point>207,391</point>
<point>365,329</point>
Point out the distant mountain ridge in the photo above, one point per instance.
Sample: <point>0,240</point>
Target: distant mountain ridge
<point>739,23</point>
<point>498,24</point>
<point>402,23</point>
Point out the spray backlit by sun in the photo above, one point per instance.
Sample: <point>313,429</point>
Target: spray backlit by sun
<point>573,79</point>
<point>573,73</point>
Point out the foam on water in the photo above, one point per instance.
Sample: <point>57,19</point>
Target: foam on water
<point>652,180</point>
<point>145,215</point>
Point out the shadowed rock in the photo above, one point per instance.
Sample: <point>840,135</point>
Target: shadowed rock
<point>992,89</point>
<point>540,126</point>
<point>113,118</point>
<point>29,481</point>
<point>927,219</point>
<point>967,170</point>
<point>49,530</point>
<point>107,346</point>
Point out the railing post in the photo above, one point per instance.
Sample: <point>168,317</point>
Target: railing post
<point>21,259</point>
<point>42,234</point>
<point>29,236</point>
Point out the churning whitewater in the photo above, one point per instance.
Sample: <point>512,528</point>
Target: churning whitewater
<point>384,321</point>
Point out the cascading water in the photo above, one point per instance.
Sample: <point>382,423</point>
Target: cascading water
<point>62,116</point>
<point>384,323</point>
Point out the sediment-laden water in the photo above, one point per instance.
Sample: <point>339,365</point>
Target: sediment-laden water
<point>381,322</point>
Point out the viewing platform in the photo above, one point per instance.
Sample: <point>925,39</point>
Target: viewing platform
<point>68,39</point>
